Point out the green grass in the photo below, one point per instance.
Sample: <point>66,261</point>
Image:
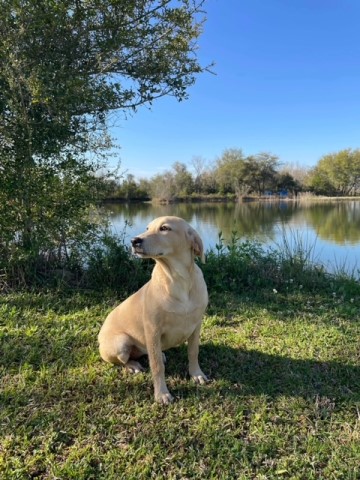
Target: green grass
<point>283,402</point>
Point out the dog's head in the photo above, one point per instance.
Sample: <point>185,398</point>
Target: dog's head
<point>168,236</point>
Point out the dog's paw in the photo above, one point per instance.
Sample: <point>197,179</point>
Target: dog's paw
<point>164,398</point>
<point>200,378</point>
<point>133,366</point>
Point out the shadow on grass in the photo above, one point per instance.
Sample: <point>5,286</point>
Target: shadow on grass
<point>252,372</point>
<point>234,372</point>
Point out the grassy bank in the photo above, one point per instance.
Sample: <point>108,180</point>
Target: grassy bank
<point>280,342</point>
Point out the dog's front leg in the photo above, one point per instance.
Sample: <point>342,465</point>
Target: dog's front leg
<point>156,360</point>
<point>193,355</point>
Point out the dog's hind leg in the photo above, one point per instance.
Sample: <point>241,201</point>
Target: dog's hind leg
<point>133,366</point>
<point>125,353</point>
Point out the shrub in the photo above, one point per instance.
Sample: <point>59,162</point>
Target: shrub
<point>247,265</point>
<point>238,265</point>
<point>110,265</point>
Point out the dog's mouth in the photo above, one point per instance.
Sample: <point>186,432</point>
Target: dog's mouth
<point>140,252</point>
<point>137,251</point>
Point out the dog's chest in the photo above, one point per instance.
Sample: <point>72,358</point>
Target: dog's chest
<point>176,329</point>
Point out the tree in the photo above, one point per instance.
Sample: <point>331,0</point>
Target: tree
<point>298,172</point>
<point>162,186</point>
<point>337,174</point>
<point>243,175</point>
<point>172,183</point>
<point>285,181</point>
<point>230,172</point>
<point>260,172</point>
<point>209,183</point>
<point>64,66</point>
<point>130,189</point>
<point>182,179</point>
<point>198,163</point>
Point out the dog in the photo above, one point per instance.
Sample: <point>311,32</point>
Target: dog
<point>166,311</point>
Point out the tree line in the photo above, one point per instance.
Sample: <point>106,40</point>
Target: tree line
<point>236,176</point>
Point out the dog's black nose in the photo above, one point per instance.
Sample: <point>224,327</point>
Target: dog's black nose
<point>136,241</point>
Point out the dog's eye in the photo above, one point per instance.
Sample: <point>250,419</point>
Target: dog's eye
<point>164,228</point>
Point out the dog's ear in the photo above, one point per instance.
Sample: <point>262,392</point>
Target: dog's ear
<point>196,244</point>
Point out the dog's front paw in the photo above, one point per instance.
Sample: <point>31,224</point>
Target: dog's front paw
<point>164,398</point>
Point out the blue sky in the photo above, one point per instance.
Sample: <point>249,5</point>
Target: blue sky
<point>287,82</point>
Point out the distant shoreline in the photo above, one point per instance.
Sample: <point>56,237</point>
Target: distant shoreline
<point>231,198</point>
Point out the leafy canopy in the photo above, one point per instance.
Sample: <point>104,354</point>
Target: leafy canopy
<point>65,64</point>
<point>337,173</point>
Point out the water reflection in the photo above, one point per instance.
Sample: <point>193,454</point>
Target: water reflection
<point>335,224</point>
<point>338,222</point>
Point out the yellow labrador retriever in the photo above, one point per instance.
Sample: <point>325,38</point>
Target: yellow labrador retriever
<point>166,311</point>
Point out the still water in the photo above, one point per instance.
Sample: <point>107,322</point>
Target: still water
<point>329,231</point>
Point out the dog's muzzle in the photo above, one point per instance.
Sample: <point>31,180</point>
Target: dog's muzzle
<point>136,243</point>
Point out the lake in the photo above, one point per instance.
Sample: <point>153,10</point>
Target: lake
<point>329,230</point>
